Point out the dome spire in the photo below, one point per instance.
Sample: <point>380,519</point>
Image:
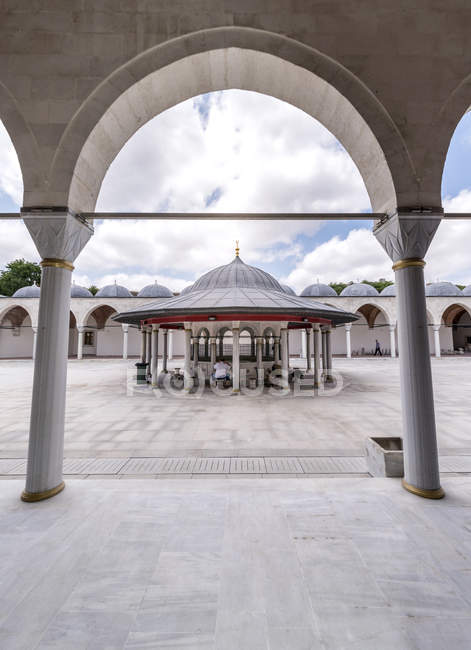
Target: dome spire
<point>237,248</point>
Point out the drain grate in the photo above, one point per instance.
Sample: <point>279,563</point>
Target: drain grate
<point>334,465</point>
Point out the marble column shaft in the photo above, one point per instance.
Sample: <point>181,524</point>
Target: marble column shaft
<point>155,355</point>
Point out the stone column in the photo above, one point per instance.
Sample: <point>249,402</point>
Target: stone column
<point>328,352</point>
<point>436,340</point>
<point>406,237</point>
<point>260,371</point>
<point>307,336</point>
<point>235,359</point>
<point>196,350</point>
<point>165,350</point>
<point>187,363</point>
<point>348,329</point>
<point>59,238</point>
<point>316,331</point>
<point>148,348</point>
<point>170,345</point>
<point>277,349</point>
<point>212,349</point>
<point>125,340</point>
<point>392,339</point>
<point>143,345</point>
<point>303,344</point>
<point>284,356</point>
<point>80,342</point>
<point>155,355</point>
<point>324,352</point>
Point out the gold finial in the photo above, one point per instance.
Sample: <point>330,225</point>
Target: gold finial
<point>237,248</point>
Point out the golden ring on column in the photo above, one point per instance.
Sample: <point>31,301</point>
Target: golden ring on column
<point>57,263</point>
<point>438,493</point>
<point>31,497</point>
<point>412,261</point>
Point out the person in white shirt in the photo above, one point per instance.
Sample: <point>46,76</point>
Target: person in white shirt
<point>221,370</point>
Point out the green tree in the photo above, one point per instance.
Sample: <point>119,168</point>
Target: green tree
<point>93,289</point>
<point>339,286</point>
<point>378,284</point>
<point>17,274</point>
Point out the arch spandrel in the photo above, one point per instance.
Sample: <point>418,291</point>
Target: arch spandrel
<point>219,59</point>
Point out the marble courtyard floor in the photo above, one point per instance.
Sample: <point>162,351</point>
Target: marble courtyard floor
<point>332,560</point>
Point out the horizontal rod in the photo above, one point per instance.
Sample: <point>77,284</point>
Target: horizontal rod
<point>265,216</point>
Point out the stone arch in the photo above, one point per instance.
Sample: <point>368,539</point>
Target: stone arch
<point>103,312</point>
<point>371,309</point>
<point>457,332</point>
<point>453,313</point>
<point>16,314</point>
<point>23,141</point>
<point>218,59</point>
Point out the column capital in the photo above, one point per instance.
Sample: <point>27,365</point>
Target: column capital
<point>316,327</point>
<point>155,327</point>
<point>407,234</point>
<point>436,328</point>
<point>81,329</point>
<point>392,327</point>
<point>125,327</point>
<point>348,327</point>
<point>59,236</point>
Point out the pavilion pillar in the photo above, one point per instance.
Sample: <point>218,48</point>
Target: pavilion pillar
<point>316,331</point>
<point>165,350</point>
<point>59,238</point>
<point>324,351</point>
<point>170,345</point>
<point>436,340</point>
<point>196,350</point>
<point>80,342</point>
<point>284,356</point>
<point>307,336</point>
<point>148,348</point>
<point>260,371</point>
<point>155,355</point>
<point>276,346</point>
<point>125,327</point>
<point>235,358</point>
<point>187,382</point>
<point>143,345</point>
<point>406,238</point>
<point>328,353</point>
<point>392,340</point>
<point>348,329</point>
<point>303,344</point>
<point>212,351</point>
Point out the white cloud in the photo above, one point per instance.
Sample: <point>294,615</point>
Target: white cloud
<point>11,181</point>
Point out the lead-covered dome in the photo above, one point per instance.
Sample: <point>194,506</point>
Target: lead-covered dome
<point>318,290</point>
<point>390,290</point>
<point>287,289</point>
<point>359,289</point>
<point>186,290</point>
<point>237,274</point>
<point>76,291</point>
<point>442,289</point>
<point>27,292</point>
<point>113,291</point>
<point>155,291</point>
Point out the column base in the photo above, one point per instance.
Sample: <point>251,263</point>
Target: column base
<point>236,390</point>
<point>438,493</point>
<point>31,497</point>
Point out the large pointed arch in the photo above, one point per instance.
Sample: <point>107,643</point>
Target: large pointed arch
<point>218,59</point>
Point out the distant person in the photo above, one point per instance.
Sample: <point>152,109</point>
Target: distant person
<point>378,349</point>
<point>221,370</point>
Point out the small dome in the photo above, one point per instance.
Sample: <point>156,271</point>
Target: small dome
<point>318,290</point>
<point>467,290</point>
<point>186,290</point>
<point>288,290</point>
<point>442,289</point>
<point>113,291</point>
<point>237,274</point>
<point>155,291</point>
<point>76,291</point>
<point>27,292</point>
<point>359,289</point>
<point>390,290</point>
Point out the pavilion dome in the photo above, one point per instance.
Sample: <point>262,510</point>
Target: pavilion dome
<point>32,291</point>
<point>155,291</point>
<point>442,289</point>
<point>318,290</point>
<point>390,290</point>
<point>237,274</point>
<point>76,291</point>
<point>186,290</point>
<point>358,289</point>
<point>467,290</point>
<point>287,289</point>
<point>113,291</point>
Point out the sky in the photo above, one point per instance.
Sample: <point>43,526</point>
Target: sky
<point>239,151</point>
